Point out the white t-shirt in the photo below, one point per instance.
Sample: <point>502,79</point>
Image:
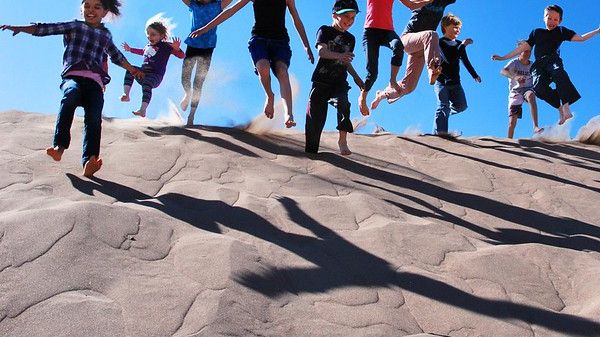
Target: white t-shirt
<point>516,68</point>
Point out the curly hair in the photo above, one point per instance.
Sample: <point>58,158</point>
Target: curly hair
<point>110,5</point>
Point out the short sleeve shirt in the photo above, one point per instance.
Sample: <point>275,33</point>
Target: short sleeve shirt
<point>516,68</point>
<point>201,15</point>
<point>333,71</point>
<point>427,17</point>
<point>547,42</point>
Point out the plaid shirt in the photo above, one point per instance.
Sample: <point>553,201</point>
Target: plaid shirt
<point>86,47</point>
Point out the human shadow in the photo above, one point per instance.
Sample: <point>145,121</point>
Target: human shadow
<point>338,262</point>
<point>191,132</point>
<point>361,268</point>
<point>498,236</point>
<point>507,167</point>
<point>557,226</point>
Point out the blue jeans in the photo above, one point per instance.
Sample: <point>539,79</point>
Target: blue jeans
<point>451,100</point>
<point>84,92</point>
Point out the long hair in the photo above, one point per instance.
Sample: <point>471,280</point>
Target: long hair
<point>161,24</point>
<point>110,5</point>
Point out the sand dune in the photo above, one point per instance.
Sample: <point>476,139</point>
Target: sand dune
<point>220,232</point>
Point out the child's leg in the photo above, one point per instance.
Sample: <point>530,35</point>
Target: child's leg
<point>127,83</point>
<point>397,48</point>
<point>93,103</point>
<point>186,79</point>
<point>344,124</point>
<point>149,82</point>
<point>72,97</point>
<point>263,67</point>
<point>514,113</point>
<point>443,110</point>
<point>203,65</point>
<point>565,89</point>
<point>316,115</point>
<point>281,71</point>
<point>414,68</point>
<point>541,86</point>
<point>530,98</point>
<point>371,44</point>
<point>458,100</point>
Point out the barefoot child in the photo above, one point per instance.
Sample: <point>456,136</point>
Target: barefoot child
<point>84,75</point>
<point>199,52</point>
<point>548,65</point>
<point>520,89</point>
<point>335,46</point>
<point>421,43</point>
<point>269,47</point>
<point>156,55</point>
<point>379,31</point>
<point>448,90</point>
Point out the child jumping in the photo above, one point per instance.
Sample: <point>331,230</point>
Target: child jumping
<point>520,89</point>
<point>335,46</point>
<point>156,55</point>
<point>269,47</point>
<point>448,90</point>
<point>199,52</point>
<point>84,76</point>
<point>379,31</point>
<point>421,43</point>
<point>548,65</point>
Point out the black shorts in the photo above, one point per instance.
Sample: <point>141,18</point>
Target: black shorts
<point>194,52</point>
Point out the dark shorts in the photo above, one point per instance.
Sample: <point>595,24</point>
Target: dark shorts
<point>515,111</point>
<point>194,52</point>
<point>271,50</point>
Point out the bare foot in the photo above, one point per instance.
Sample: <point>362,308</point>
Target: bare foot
<point>140,113</point>
<point>289,121</point>
<point>124,98</point>
<point>565,115</point>
<point>344,150</point>
<point>185,101</point>
<point>394,85</point>
<point>538,130</point>
<point>55,152</point>
<point>362,104</point>
<point>269,108</point>
<point>379,96</point>
<point>92,166</point>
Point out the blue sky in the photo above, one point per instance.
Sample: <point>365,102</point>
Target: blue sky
<point>32,66</point>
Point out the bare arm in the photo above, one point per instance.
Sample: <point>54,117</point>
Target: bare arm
<point>521,48</point>
<point>19,29</point>
<point>586,36</point>
<point>415,4</point>
<point>225,3</point>
<point>224,15</point>
<point>325,53</point>
<point>300,28</point>
<point>359,82</point>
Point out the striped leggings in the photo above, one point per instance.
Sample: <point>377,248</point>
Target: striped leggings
<point>149,82</point>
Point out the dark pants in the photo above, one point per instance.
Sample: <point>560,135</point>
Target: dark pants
<point>149,82</point>
<point>84,92</point>
<point>550,69</point>
<point>373,39</point>
<point>316,112</point>
<point>451,100</point>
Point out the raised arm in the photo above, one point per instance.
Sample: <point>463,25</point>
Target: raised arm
<point>586,36</point>
<point>300,28</point>
<point>225,3</point>
<point>224,15</point>
<point>521,48</point>
<point>415,4</point>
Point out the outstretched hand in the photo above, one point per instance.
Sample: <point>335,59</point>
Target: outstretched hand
<point>176,43</point>
<point>468,41</point>
<point>497,58</point>
<point>15,29</point>
<point>477,79</point>
<point>126,46</point>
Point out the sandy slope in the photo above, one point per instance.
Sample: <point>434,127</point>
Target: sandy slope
<point>218,232</point>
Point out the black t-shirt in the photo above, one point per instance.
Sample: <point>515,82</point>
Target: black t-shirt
<point>269,19</point>
<point>427,17</point>
<point>454,52</point>
<point>333,71</point>
<point>547,42</point>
